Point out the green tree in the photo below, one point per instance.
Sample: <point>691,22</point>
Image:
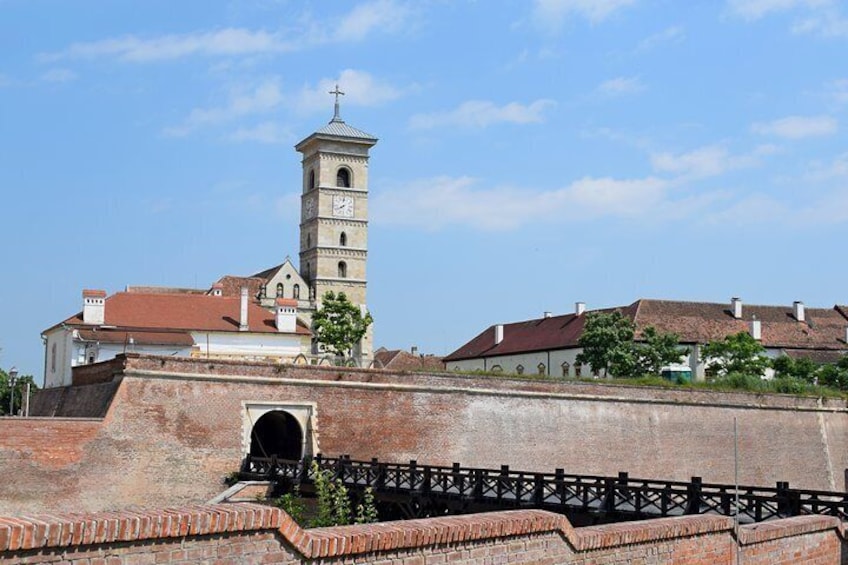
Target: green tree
<point>657,350</point>
<point>340,324</point>
<point>607,343</point>
<point>803,368</point>
<point>737,353</point>
<point>19,391</point>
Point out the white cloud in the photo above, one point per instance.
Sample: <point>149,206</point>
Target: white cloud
<point>551,13</point>
<point>262,98</point>
<point>820,17</point>
<point>707,161</point>
<point>360,89</point>
<point>59,75</point>
<point>838,168</point>
<point>377,16</point>
<point>620,86</point>
<point>483,113</point>
<point>265,132</point>
<point>436,203</point>
<point>797,127</point>
<point>837,90</point>
<point>673,34</point>
<point>756,9</point>
<point>828,24</point>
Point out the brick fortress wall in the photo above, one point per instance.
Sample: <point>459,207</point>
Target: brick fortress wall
<point>248,534</point>
<point>171,429</point>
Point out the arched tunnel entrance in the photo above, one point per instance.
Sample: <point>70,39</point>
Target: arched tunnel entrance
<point>277,433</point>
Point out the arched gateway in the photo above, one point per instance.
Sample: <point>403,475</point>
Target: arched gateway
<point>277,433</point>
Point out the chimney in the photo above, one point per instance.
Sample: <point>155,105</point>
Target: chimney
<point>286,315</point>
<point>94,307</point>
<point>498,334</point>
<point>414,350</point>
<point>546,315</point>
<point>756,329</point>
<point>579,308</point>
<point>798,310</point>
<point>243,327</point>
<point>736,307</point>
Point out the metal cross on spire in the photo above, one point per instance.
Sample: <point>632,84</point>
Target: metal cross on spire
<point>337,92</point>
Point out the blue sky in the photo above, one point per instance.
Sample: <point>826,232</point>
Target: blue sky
<point>531,154</point>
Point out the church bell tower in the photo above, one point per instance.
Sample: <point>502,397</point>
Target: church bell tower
<point>334,214</point>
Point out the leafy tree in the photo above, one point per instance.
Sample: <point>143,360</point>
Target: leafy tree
<point>19,391</point>
<point>340,324</point>
<point>737,353</point>
<point>803,368</point>
<point>607,343</point>
<point>657,350</point>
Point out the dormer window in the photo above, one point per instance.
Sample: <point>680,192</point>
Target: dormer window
<point>343,178</point>
<point>343,240</point>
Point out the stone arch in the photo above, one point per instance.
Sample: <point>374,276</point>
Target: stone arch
<point>277,433</point>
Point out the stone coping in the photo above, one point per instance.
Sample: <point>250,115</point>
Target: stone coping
<point>64,530</point>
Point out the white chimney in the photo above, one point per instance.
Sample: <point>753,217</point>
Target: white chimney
<point>243,327</point>
<point>798,310</point>
<point>546,315</point>
<point>498,334</point>
<point>579,308</point>
<point>736,307</point>
<point>414,350</point>
<point>94,307</point>
<point>286,315</point>
<point>756,329</point>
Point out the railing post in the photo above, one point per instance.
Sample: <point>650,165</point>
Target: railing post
<point>788,501</point>
<point>559,477</point>
<point>501,479</point>
<point>609,495</point>
<point>538,490</point>
<point>427,477</point>
<point>412,464</point>
<point>693,492</point>
<point>458,479</point>
<point>478,484</point>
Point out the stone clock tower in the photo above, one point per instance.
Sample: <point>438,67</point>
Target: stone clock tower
<point>334,214</point>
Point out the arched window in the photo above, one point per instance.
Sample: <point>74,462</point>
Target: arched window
<point>308,271</point>
<point>311,178</point>
<point>497,369</point>
<point>342,270</point>
<point>308,240</point>
<point>343,240</point>
<point>279,290</point>
<point>343,178</point>
<point>541,368</point>
<point>296,292</point>
<point>519,370</point>
<point>578,370</point>
<point>565,367</point>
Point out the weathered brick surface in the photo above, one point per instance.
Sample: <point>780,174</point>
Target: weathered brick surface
<point>179,422</point>
<point>252,534</point>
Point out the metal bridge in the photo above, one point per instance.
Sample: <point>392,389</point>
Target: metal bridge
<point>411,490</point>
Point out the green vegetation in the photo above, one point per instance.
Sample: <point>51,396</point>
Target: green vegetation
<point>19,390</point>
<point>333,503</point>
<point>339,324</point>
<point>737,353</point>
<point>609,347</point>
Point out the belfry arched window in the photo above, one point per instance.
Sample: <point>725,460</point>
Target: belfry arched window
<point>308,240</point>
<point>279,290</point>
<point>343,240</point>
<point>342,270</point>
<point>343,177</point>
<point>311,178</point>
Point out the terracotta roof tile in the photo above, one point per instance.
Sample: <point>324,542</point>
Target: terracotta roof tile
<point>400,360</point>
<point>231,285</point>
<point>188,312</point>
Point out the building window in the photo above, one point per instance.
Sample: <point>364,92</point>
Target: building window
<point>307,272</point>
<point>311,178</point>
<point>578,370</point>
<point>541,368</point>
<point>296,291</point>
<point>565,367</point>
<point>342,270</point>
<point>343,240</point>
<point>497,369</point>
<point>343,178</point>
<point>308,240</point>
<point>263,291</point>
<point>53,358</point>
<point>519,370</point>
<point>279,290</point>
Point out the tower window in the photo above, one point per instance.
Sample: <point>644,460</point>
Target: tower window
<point>296,291</point>
<point>343,178</point>
<point>342,270</point>
<point>311,178</point>
<point>307,271</point>
<point>279,290</point>
<point>308,240</point>
<point>343,240</point>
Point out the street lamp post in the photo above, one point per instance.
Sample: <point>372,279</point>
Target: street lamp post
<point>13,376</point>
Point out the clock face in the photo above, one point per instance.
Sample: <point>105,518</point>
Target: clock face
<point>343,206</point>
<point>309,207</point>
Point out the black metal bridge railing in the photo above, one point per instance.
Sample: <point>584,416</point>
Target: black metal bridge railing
<point>457,488</point>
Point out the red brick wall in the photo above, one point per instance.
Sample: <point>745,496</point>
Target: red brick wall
<point>253,534</point>
<point>174,430</point>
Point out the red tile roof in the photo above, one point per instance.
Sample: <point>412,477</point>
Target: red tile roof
<point>400,360</point>
<point>694,322</point>
<point>187,312</point>
<point>231,285</point>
